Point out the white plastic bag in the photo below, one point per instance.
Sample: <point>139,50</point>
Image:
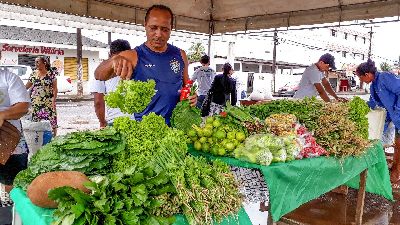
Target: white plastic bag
<point>376,121</point>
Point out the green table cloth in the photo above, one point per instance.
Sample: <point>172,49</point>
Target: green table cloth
<point>294,183</point>
<point>34,215</point>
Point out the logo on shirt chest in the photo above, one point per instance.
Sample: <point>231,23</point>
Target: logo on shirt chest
<point>175,65</point>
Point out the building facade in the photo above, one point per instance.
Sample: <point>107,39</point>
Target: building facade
<point>21,46</point>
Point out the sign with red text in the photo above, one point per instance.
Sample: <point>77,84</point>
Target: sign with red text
<point>32,49</point>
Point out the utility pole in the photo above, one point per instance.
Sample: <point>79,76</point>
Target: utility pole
<point>109,39</point>
<point>274,59</point>
<point>79,71</point>
<point>370,43</point>
<point>369,53</point>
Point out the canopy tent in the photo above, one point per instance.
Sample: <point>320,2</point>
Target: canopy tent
<point>222,16</point>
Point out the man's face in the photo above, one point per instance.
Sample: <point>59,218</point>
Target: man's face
<point>158,29</point>
<point>324,66</point>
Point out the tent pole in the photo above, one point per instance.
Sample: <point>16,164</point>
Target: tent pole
<point>274,59</point>
<point>209,45</point>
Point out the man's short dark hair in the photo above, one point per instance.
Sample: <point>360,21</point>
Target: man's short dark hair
<point>205,59</point>
<point>118,46</point>
<point>160,7</point>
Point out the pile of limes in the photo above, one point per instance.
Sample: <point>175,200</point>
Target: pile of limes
<point>215,137</point>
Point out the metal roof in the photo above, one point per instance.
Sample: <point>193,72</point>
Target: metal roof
<point>221,16</point>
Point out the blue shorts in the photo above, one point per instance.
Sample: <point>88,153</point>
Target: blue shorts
<point>13,166</point>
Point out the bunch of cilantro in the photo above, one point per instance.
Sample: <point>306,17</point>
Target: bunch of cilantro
<point>131,96</point>
<point>127,197</point>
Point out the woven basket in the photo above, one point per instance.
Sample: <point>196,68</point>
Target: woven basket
<point>9,139</point>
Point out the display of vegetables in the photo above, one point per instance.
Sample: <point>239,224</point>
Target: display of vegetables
<point>131,96</point>
<point>339,128</point>
<point>216,137</point>
<point>208,191</point>
<point>338,134</point>
<point>147,176</point>
<point>264,149</point>
<point>90,152</point>
<point>307,110</point>
<point>128,197</point>
<point>281,124</point>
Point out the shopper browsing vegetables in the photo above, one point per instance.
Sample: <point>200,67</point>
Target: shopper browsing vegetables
<point>385,93</point>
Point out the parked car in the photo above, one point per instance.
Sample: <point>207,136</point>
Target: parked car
<point>64,83</point>
<point>289,89</point>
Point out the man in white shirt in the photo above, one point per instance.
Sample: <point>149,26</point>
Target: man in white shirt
<point>314,83</point>
<point>14,103</point>
<point>204,77</point>
<point>100,88</point>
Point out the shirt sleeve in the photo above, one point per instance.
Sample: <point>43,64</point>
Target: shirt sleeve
<point>97,86</point>
<point>315,77</point>
<point>195,75</point>
<point>16,89</point>
<point>392,83</point>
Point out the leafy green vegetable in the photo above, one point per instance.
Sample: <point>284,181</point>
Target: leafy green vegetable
<point>114,200</point>
<point>306,110</point>
<point>90,152</point>
<point>131,96</point>
<point>144,138</point>
<point>358,110</point>
<point>184,116</point>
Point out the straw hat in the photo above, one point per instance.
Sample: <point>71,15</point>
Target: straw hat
<point>9,139</point>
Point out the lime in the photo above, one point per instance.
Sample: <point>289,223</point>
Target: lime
<point>217,123</point>
<point>230,146</point>
<point>205,147</point>
<point>209,120</point>
<point>240,136</point>
<point>221,151</point>
<point>231,135</point>
<point>192,133</point>
<point>203,140</point>
<point>214,150</point>
<point>220,134</point>
<point>197,145</point>
<point>193,139</point>
<point>208,126</point>
<point>207,132</point>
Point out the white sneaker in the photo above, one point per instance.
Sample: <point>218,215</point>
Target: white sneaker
<point>5,199</point>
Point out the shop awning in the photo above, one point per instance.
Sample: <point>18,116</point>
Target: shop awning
<point>221,16</point>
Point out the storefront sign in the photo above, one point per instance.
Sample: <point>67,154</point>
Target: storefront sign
<point>32,49</point>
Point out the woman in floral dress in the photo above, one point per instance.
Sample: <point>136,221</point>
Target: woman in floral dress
<point>44,93</point>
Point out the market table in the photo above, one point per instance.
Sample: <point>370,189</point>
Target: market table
<point>294,183</point>
<point>34,215</point>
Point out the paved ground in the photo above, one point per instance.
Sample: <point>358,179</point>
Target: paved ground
<point>76,116</point>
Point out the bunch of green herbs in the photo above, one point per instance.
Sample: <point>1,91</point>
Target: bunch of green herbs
<point>90,152</point>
